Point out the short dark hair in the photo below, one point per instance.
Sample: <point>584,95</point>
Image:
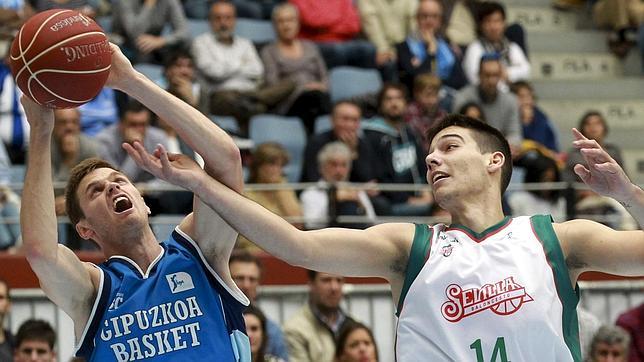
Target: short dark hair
<point>72,204</point>
<point>311,274</point>
<point>344,333</point>
<point>175,55</point>
<point>487,8</point>
<point>472,104</point>
<point>244,256</point>
<point>36,330</point>
<point>386,87</point>
<point>488,138</point>
<point>134,106</point>
<point>489,57</point>
<point>345,101</point>
<point>586,118</point>
<point>521,84</point>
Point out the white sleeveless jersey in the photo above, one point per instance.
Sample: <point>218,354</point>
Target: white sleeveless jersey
<point>502,295</point>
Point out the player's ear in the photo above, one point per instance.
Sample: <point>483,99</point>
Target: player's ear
<point>496,162</point>
<point>84,230</point>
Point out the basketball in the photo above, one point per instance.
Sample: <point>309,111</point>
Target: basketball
<point>60,58</point>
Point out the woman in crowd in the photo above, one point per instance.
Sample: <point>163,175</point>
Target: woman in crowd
<point>355,343</point>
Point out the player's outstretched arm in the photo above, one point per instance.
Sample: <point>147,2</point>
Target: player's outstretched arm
<point>592,246</point>
<point>380,251</point>
<point>66,280</point>
<point>222,158</point>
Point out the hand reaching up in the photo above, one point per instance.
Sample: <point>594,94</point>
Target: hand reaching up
<point>175,168</point>
<point>601,172</point>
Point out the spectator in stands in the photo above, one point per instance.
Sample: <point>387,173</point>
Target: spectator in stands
<point>345,122</point>
<point>256,330</point>
<point>9,215</point>
<point>610,344</point>
<point>401,156</point>
<point>426,50</point>
<point>319,204</point>
<point>424,110</point>
<point>35,341</point>
<point>300,61</point>
<point>86,7</point>
<point>181,80</point>
<point>539,168</point>
<point>386,23</point>
<point>588,327</point>
<point>141,23</point>
<point>267,167</point>
<point>246,270</point>
<point>232,68</point>
<point>592,125</point>
<point>6,338</point>
<point>251,9</point>
<point>472,109</point>
<point>311,332</point>
<point>623,18</point>
<point>536,124</point>
<point>500,108</point>
<point>334,25</point>
<point>12,15</point>
<point>134,125</point>
<point>633,322</point>
<point>100,112</point>
<point>14,129</point>
<point>491,28</point>
<point>356,343</point>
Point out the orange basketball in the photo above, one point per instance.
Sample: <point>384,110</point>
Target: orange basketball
<point>60,58</point>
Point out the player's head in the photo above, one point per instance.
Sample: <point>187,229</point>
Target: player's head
<point>35,341</point>
<point>246,271</point>
<point>98,196</point>
<point>325,291</point>
<point>466,156</point>
<point>610,343</point>
<point>355,343</point>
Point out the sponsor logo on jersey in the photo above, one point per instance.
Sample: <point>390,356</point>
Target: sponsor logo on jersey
<point>116,302</point>
<point>179,282</point>
<point>503,298</point>
<point>446,250</point>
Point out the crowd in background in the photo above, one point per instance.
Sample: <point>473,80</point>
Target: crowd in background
<point>434,57</point>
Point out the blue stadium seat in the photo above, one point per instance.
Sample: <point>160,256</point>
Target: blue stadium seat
<point>287,131</point>
<point>346,82</point>
<point>258,31</point>
<point>197,27</point>
<point>105,22</point>
<point>152,71</point>
<point>227,123</point>
<point>322,124</point>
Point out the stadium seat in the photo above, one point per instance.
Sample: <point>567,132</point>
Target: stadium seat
<point>197,27</point>
<point>227,123</point>
<point>287,131</point>
<point>347,82</point>
<point>152,71</point>
<point>258,31</point>
<point>322,124</point>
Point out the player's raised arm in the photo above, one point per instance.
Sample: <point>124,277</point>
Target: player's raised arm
<point>379,251</point>
<point>66,280</point>
<point>592,246</point>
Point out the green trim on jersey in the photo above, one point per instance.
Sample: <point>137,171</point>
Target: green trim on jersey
<point>416,261</point>
<point>542,226</point>
<point>485,233</point>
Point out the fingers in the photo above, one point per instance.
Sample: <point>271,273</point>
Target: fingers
<point>578,135</point>
<point>598,154</point>
<point>607,167</point>
<point>585,144</point>
<point>582,172</point>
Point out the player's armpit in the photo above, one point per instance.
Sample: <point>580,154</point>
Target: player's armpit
<point>590,246</point>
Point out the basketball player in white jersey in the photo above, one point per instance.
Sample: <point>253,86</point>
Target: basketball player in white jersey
<point>169,301</point>
<point>487,287</point>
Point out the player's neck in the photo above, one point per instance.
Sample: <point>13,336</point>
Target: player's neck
<point>477,217</point>
<point>142,248</point>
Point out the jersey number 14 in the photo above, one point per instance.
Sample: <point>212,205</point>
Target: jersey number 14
<point>497,352</point>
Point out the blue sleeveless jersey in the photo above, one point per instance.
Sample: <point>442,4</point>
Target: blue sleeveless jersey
<point>178,310</point>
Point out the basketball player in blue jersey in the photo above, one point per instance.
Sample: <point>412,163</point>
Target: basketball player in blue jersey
<point>168,301</point>
<point>486,287</point>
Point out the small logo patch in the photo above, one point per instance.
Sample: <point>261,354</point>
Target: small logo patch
<point>179,282</point>
<point>116,302</point>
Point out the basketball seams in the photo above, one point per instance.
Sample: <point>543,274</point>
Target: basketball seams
<point>34,76</point>
<point>44,52</point>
